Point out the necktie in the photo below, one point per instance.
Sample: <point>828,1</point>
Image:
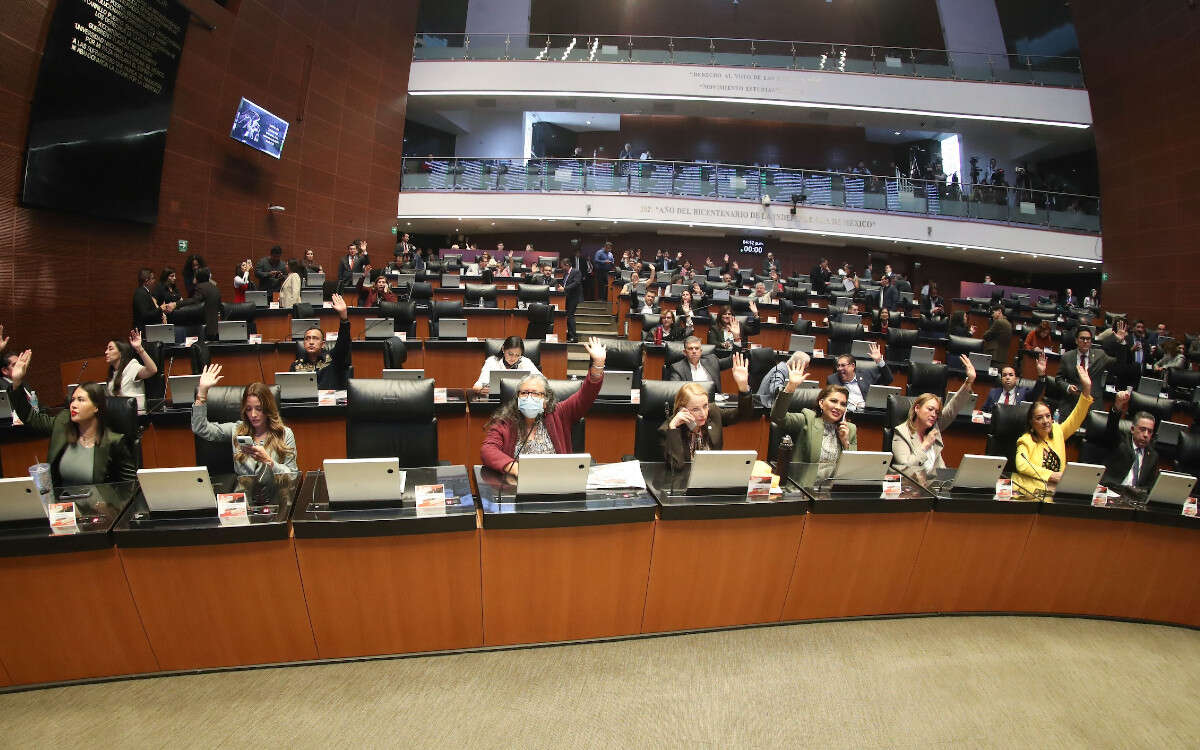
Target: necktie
<point>1084,361</point>
<point>1137,465</point>
<point>1008,397</point>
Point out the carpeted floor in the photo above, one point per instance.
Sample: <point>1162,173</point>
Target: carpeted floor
<point>922,682</point>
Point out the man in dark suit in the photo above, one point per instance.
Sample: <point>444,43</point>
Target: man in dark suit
<point>819,277</point>
<point>859,383</point>
<point>1096,362</point>
<point>698,366</point>
<point>208,295</point>
<point>1132,461</point>
<point>998,336</point>
<point>888,296</point>
<point>1011,392</point>
<point>572,285</point>
<point>146,310</point>
<point>350,265</point>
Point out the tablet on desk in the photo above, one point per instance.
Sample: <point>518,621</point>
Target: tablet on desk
<point>177,490</point>
<point>1149,386</point>
<point>979,473</point>
<point>20,500</point>
<point>400,374</point>
<point>452,328</point>
<point>922,354</point>
<point>1079,479</point>
<point>980,361</point>
<point>862,466</point>
<point>800,342</point>
<point>1171,488</point>
<point>860,349</point>
<point>553,477</point>
<point>617,384</point>
<point>968,404</point>
<point>378,328</point>
<point>853,318</point>
<point>1168,432</point>
<point>877,395</point>
<point>164,333</point>
<point>232,330</point>
<point>258,297</point>
<point>182,389</point>
<point>297,386</point>
<point>364,481</point>
<point>450,281</point>
<point>300,325</point>
<point>6,410</point>
<point>312,297</point>
<point>314,279</point>
<point>721,472</point>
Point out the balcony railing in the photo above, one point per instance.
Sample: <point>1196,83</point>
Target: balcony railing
<point>732,182</point>
<point>910,62</point>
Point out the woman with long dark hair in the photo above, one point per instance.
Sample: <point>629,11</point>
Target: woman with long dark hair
<point>243,280</point>
<point>190,266</point>
<point>262,444</point>
<point>727,332</point>
<point>511,357</point>
<point>128,366</point>
<point>82,450</point>
<point>167,290</point>
<point>1042,451</point>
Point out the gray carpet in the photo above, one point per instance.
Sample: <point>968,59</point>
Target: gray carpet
<point>928,682</point>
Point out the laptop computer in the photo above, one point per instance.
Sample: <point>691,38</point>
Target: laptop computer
<point>980,361</point>
<point>799,342</point>
<point>863,466</point>
<point>720,295</point>
<point>364,481</point>
<point>378,328</point>
<point>860,349</point>
<point>6,410</point>
<point>450,281</point>
<point>877,395</point>
<point>906,296</point>
<point>496,376</point>
<point>676,290</point>
<point>1171,488</point>
<point>259,298</point>
<point>182,389</point>
<point>721,472</point>
<point>177,490</point>
<point>1168,432</point>
<point>923,354</point>
<point>854,318</point>
<point>300,325</point>
<point>21,501</point>
<point>406,279</point>
<point>1149,386</point>
<point>1079,479</point>
<point>968,404</point>
<point>553,477</point>
<point>617,384</point>
<point>164,333</point>
<point>232,330</point>
<point>452,328</point>
<point>315,279</point>
<point>399,374</point>
<point>977,472</point>
<point>312,297</point>
<point>297,386</point>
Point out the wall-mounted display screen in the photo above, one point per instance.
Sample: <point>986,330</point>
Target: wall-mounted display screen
<point>752,246</point>
<point>258,128</point>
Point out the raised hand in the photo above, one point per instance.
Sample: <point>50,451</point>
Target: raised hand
<point>1121,402</point>
<point>339,304</point>
<point>740,372</point>
<point>796,373</point>
<point>874,351</point>
<point>208,378</point>
<point>3,339</point>
<point>1085,379</point>
<point>753,307</point>
<point>135,339</point>
<point>596,351</point>
<point>20,366</point>
<point>1120,330</point>
<point>1041,363</point>
<point>970,368</point>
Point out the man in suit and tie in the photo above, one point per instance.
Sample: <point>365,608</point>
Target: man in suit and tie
<point>859,383</point>
<point>888,296</point>
<point>572,285</point>
<point>350,265</point>
<point>998,336</point>
<point>1011,391</point>
<point>698,366</point>
<point>1096,362</point>
<point>1132,461</point>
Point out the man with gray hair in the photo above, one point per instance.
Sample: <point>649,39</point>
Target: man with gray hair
<point>1132,461</point>
<point>777,377</point>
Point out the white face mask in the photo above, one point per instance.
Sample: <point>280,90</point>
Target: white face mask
<point>530,406</point>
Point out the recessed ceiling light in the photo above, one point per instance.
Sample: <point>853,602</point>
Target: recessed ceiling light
<point>895,132</point>
<point>410,223</point>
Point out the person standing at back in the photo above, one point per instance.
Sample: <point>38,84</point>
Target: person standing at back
<point>271,270</point>
<point>998,336</point>
<point>573,287</point>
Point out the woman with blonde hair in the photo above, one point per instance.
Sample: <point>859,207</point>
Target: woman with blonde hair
<point>917,442</point>
<point>695,425</point>
<point>262,444</point>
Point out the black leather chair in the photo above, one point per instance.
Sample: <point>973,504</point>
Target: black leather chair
<point>963,345</point>
<point>802,326</point>
<point>900,343</point>
<point>386,418</point>
<point>1182,383</point>
<point>224,405</point>
<point>787,309</point>
<point>156,384</point>
<point>841,337</point>
<point>422,296</point>
<point>1094,449</point>
<point>190,318</point>
<point>926,378</point>
<point>122,417</point>
<point>443,309</point>
<point>533,349</point>
<point>625,356</point>
<point>480,295</point>
<point>650,321</point>
<point>563,389</point>
<point>897,413</point>
<point>541,320</point>
<point>932,330</point>
<point>762,360</point>
<point>1187,454</point>
<point>403,315</point>
<point>658,402</point>
<point>200,356</point>
<point>674,352</point>
<point>739,304</point>
<point>238,311</point>
<point>1009,421</point>
<point>304,310</point>
<point>435,267</point>
<point>530,293</point>
<point>395,353</point>
<point>1161,408</point>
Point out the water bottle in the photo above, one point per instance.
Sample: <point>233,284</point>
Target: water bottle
<point>783,459</point>
<point>658,335</point>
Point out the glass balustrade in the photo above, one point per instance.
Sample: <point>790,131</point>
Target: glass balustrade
<point>735,182</point>
<point>910,62</point>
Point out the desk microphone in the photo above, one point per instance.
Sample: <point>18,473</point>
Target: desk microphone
<point>167,375</point>
<point>1045,492</point>
<point>84,366</point>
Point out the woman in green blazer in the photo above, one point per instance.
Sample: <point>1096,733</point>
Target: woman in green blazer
<point>82,451</point>
<point>820,436</point>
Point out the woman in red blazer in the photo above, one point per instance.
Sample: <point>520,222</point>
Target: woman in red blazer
<point>535,422</point>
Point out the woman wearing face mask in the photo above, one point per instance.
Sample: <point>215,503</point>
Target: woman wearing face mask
<point>270,448</point>
<point>820,436</point>
<point>535,422</point>
<point>511,357</point>
<point>82,450</point>
<point>917,442</point>
<point>1042,451</point>
<point>696,425</point>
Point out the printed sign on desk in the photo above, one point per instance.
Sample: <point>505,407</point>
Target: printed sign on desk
<point>1100,496</point>
<point>62,518</point>
<point>431,499</point>
<point>1004,489</point>
<point>551,338</point>
<point>891,486</point>
<point>1189,507</point>
<point>231,509</point>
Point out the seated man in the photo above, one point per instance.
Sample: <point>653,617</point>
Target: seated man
<point>858,384</point>
<point>1132,462</point>
<point>697,366</point>
<point>648,305</point>
<point>331,367</point>
<point>777,377</point>
<point>1009,392</point>
<point>835,316</point>
<point>761,295</point>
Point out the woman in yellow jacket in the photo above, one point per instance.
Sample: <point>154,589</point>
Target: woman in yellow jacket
<point>1042,451</point>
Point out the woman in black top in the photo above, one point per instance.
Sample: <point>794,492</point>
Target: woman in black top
<point>958,325</point>
<point>167,289</point>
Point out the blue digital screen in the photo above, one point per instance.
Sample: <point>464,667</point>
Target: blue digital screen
<point>258,128</point>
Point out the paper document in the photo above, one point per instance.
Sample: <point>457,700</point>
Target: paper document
<point>615,476</point>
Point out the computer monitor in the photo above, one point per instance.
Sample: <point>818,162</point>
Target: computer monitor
<point>258,297</point>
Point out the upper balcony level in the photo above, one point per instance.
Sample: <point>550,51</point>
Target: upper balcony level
<point>901,87</point>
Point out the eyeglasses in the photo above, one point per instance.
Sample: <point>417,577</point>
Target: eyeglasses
<point>531,394</point>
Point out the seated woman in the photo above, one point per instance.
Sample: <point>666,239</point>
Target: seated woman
<point>289,291</point>
<point>882,322</point>
<point>511,357</point>
<point>381,291</point>
<point>917,442</point>
<point>728,333</point>
<point>271,448</point>
<point>820,437</point>
<point>689,310</point>
<point>669,328</point>
<point>1040,337</point>
<point>125,372</point>
<point>695,425</point>
<point>1042,451</point>
<point>958,325</point>
<point>82,450</point>
<point>535,422</point>
<point>1172,356</point>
